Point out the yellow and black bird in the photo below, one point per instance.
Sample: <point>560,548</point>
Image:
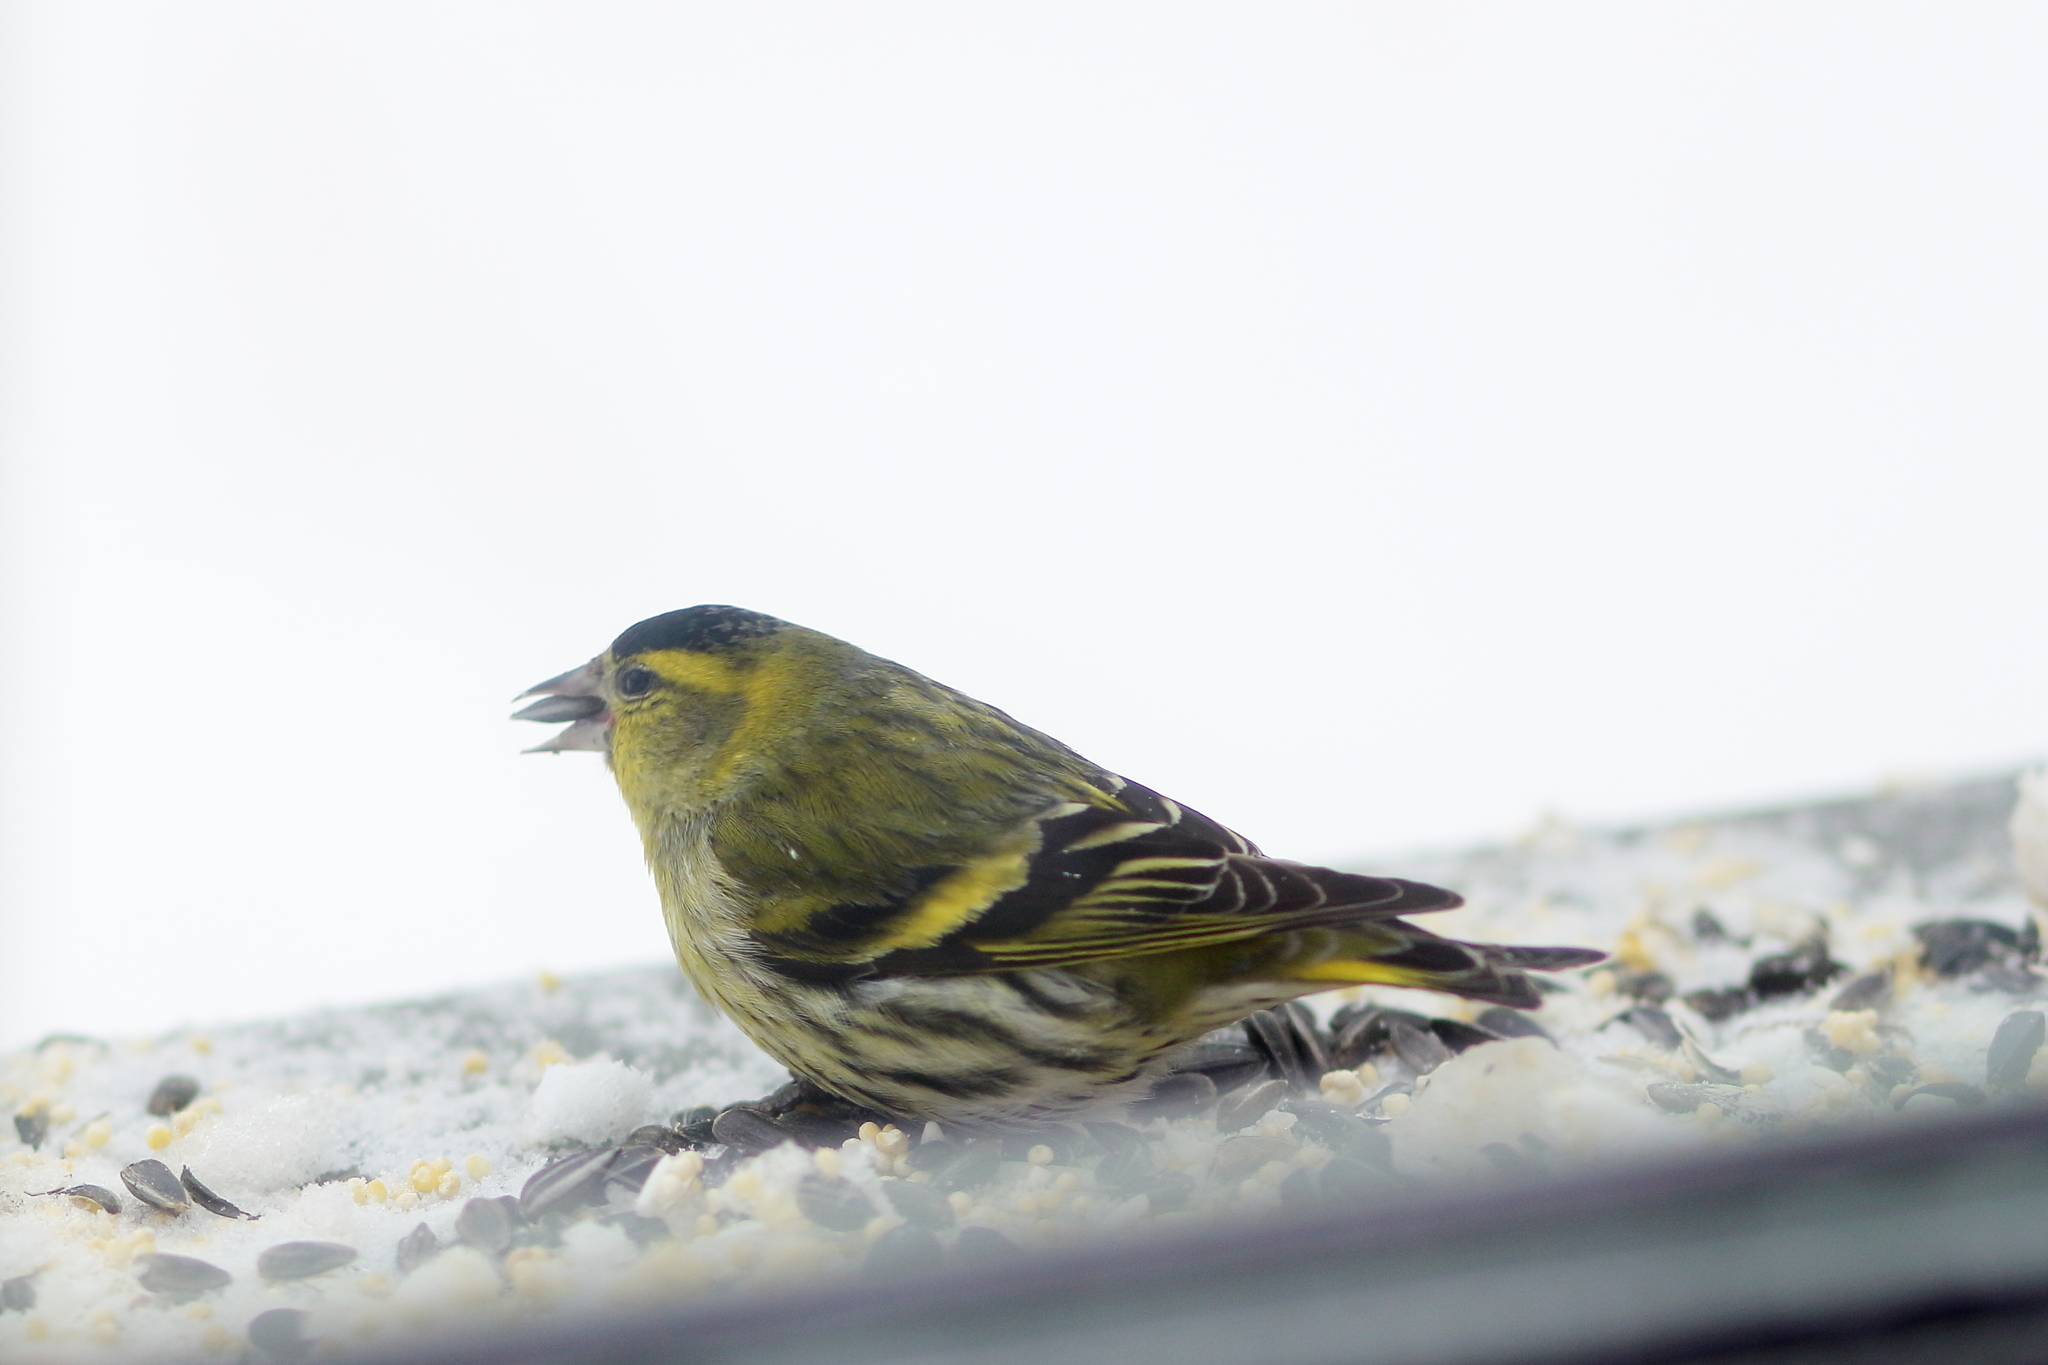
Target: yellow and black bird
<point>931,910</point>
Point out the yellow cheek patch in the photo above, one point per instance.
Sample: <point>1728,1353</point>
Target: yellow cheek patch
<point>957,900</point>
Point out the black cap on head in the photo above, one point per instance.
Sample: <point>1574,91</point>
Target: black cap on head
<point>698,628</point>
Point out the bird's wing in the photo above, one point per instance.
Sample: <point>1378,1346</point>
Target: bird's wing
<point>1128,875</point>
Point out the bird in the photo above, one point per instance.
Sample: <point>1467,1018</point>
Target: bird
<point>928,909</point>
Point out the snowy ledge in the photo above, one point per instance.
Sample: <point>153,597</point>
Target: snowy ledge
<point>1778,1013</point>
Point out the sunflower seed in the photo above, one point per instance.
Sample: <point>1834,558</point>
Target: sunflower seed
<point>172,1093</point>
<point>1505,1022</point>
<point>1458,1036</point>
<point>488,1223</point>
<point>32,1128</point>
<point>1889,1070</point>
<point>748,1129</point>
<point>152,1182</point>
<point>1806,968</point>
<point>1673,1097</point>
<point>1654,1024</point>
<point>1245,1108</point>
<point>1184,1092</point>
<point>302,1260</point>
<point>207,1199</point>
<point>1227,1065</point>
<point>1957,947</point>
<point>1723,1002</point>
<point>905,1250</point>
<point>1423,1052</point>
<point>179,1275</point>
<point>1238,1157</point>
<point>833,1204</point>
<point>280,1333</point>
<point>18,1295</point>
<point>2020,1035</point>
<point>654,1135</point>
<point>416,1248</point>
<point>630,1168</point>
<point>920,1204</point>
<point>1707,1067</point>
<point>565,1184</point>
<point>1966,1096</point>
<point>1867,992</point>
<point>1707,926</point>
<point>98,1196</point>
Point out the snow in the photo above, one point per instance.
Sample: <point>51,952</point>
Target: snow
<point>357,1126</point>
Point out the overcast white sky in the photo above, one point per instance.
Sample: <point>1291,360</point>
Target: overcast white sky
<point>1373,424</point>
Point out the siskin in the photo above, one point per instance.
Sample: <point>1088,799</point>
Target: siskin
<point>930,910</point>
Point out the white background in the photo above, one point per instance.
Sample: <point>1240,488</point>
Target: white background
<point>1373,424</point>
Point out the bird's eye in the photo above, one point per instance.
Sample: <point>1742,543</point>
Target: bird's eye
<point>635,681</point>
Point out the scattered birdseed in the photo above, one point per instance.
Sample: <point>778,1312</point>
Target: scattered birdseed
<point>179,1276</point>
<point>2020,1035</point>
<point>207,1199</point>
<point>302,1260</point>
<point>172,1093</point>
<point>153,1183</point>
<point>280,1333</point>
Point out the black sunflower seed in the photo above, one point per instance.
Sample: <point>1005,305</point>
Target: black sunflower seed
<point>1867,992</point>
<point>1707,926</point>
<point>1227,1065</point>
<point>488,1224</point>
<point>1365,1030</point>
<point>631,1166</point>
<point>1340,1130</point>
<point>565,1184</point>
<point>1890,1070</point>
<point>172,1093</point>
<point>1806,968</point>
<point>1184,1092</point>
<point>1245,1108</point>
<point>1965,1096</point>
<point>1654,1024</point>
<point>1957,947</point>
<point>152,1182</point>
<point>207,1199</point>
<point>749,1130</point>
<point>1675,1097</point>
<point>280,1333</point>
<point>32,1127</point>
<point>18,1295</point>
<point>920,1204</point>
<point>1423,1052</point>
<point>904,1250</point>
<point>1457,1035</point>
<point>416,1248</point>
<point>1114,1137</point>
<point>1652,988</point>
<point>2020,1035</point>
<point>1721,1002</point>
<point>935,1156</point>
<point>1290,1042</point>
<point>833,1204</point>
<point>1707,1067</point>
<point>1506,1022</point>
<point>97,1195</point>
<point>654,1135</point>
<point>302,1260</point>
<point>693,1125</point>
<point>179,1275</point>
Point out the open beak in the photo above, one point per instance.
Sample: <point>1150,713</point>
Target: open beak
<point>575,696</point>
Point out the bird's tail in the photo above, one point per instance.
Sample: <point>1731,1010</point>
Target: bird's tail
<point>1395,953</point>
